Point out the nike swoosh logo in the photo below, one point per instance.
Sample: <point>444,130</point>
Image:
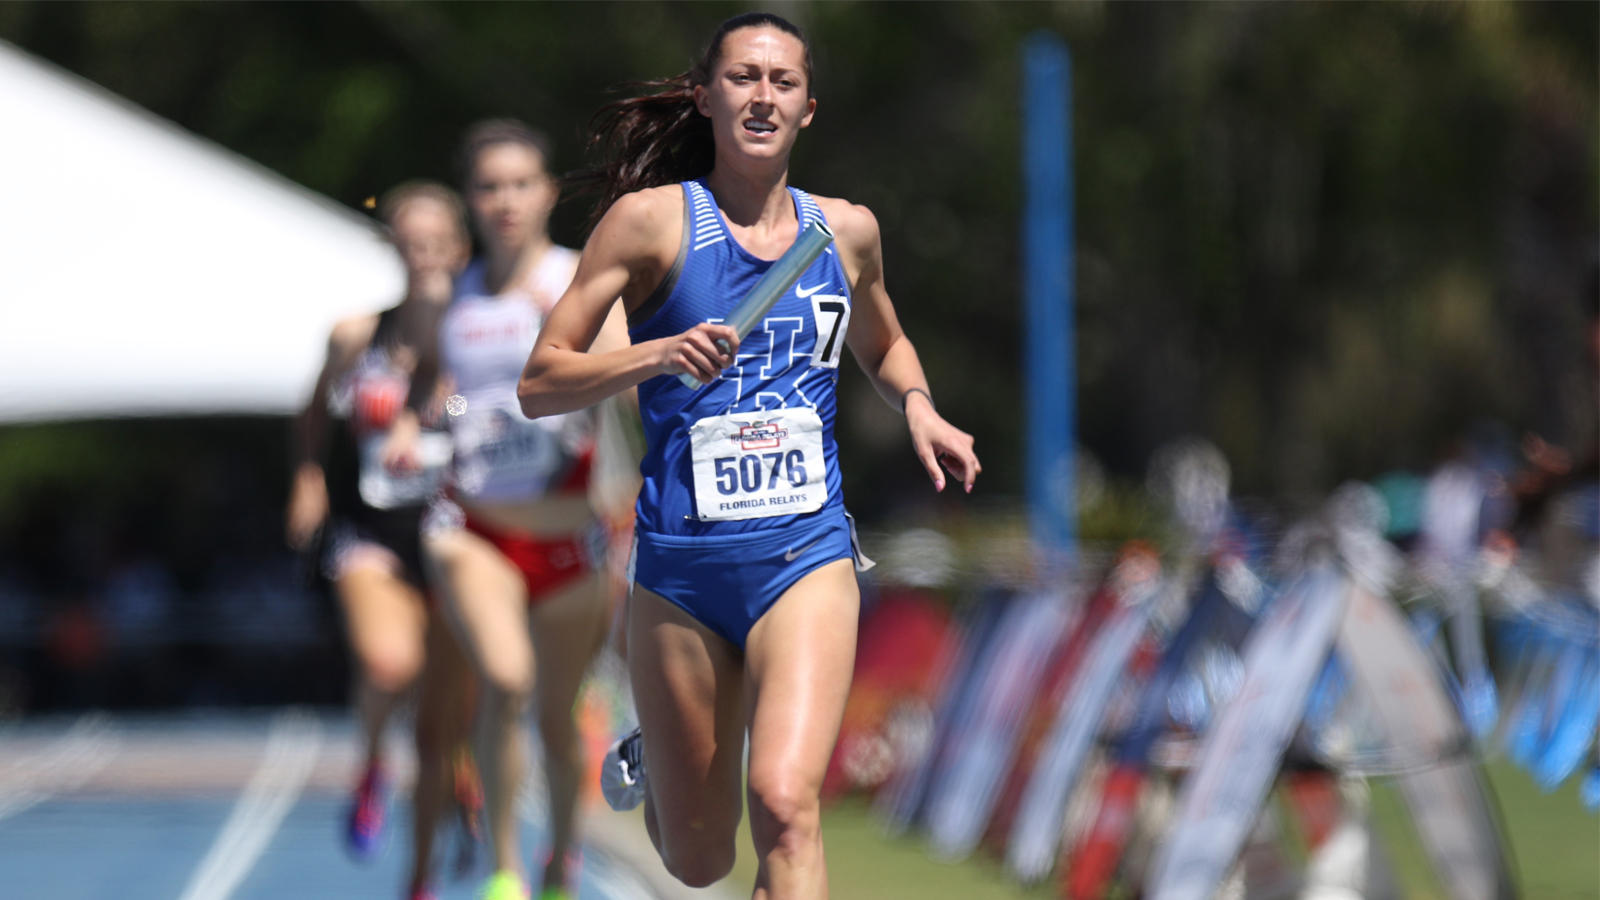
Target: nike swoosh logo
<point>792,554</point>
<point>803,293</point>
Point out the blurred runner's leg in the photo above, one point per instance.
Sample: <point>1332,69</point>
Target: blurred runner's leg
<point>387,622</point>
<point>486,602</point>
<point>568,629</point>
<point>443,708</point>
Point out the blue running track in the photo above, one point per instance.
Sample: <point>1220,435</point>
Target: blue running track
<point>229,807</point>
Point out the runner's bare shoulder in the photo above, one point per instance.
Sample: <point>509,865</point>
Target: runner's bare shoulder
<point>855,229</point>
<point>853,225</point>
<point>648,222</point>
<point>350,337</point>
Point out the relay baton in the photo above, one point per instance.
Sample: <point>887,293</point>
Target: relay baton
<point>782,276</point>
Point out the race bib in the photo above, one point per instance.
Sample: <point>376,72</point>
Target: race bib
<point>758,464</point>
<point>382,489</point>
<point>503,447</point>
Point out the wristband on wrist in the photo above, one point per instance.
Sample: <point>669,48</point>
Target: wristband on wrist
<point>916,390</point>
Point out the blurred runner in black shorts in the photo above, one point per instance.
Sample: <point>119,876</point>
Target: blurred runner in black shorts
<point>370,508</point>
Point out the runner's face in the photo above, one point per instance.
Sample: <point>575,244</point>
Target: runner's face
<point>429,240</point>
<point>511,196</point>
<point>757,98</point>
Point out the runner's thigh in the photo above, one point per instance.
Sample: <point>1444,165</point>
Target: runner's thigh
<point>387,619</point>
<point>445,696</point>
<point>688,687</point>
<point>798,662</point>
<point>486,602</point>
<point>568,627</point>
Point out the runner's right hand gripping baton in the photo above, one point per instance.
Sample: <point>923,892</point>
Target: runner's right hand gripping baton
<point>782,276</point>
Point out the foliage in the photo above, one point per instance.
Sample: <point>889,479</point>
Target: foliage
<point>1327,236</point>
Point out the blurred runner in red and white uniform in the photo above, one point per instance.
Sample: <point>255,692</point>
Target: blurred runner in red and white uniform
<point>517,553</point>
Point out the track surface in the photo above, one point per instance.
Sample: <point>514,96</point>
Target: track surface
<point>223,806</point>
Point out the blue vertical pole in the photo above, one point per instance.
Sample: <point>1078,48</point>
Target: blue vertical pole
<point>1048,274</point>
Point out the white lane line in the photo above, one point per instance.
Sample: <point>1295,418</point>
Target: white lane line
<point>85,749</point>
<point>292,746</point>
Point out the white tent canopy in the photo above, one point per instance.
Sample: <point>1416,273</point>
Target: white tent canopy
<point>145,271</point>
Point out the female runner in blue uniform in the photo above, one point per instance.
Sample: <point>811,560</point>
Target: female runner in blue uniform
<point>744,605</point>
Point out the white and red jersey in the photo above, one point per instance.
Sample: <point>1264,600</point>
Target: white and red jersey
<point>485,339</point>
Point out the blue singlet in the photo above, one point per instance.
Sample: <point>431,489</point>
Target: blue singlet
<point>741,494</point>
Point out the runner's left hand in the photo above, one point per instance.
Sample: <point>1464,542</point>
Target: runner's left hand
<point>939,443</point>
<point>399,455</point>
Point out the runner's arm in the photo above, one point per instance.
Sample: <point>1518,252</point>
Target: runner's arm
<point>308,497</point>
<point>623,258</point>
<point>399,452</point>
<point>886,355</point>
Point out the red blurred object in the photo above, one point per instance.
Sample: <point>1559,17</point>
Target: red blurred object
<point>1088,867</point>
<point>1063,668</point>
<point>77,638</point>
<point>902,649</point>
<point>378,401</point>
<point>1088,870</point>
<point>1314,799</point>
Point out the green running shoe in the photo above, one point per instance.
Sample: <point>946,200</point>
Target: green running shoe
<point>505,885</point>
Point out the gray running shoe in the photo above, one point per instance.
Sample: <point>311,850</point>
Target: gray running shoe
<point>622,774</point>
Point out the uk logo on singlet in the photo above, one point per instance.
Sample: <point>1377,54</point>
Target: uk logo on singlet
<point>783,337</point>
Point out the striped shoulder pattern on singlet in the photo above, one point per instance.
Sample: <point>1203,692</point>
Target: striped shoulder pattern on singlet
<point>707,224</point>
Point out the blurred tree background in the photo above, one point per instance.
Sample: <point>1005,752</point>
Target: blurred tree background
<point>1331,237</point>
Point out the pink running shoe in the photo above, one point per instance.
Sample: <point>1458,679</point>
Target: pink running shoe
<point>365,830</point>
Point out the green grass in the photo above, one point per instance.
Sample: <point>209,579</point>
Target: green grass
<point>1555,845</point>
<point>863,863</point>
<point>1555,842</point>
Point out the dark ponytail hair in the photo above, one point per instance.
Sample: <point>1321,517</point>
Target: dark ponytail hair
<point>660,137</point>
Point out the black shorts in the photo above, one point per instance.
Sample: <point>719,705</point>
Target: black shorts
<point>387,539</point>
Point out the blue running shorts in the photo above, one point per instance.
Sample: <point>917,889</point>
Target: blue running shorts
<point>727,582</point>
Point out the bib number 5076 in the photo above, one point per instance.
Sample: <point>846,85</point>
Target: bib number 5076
<point>758,464</point>
<point>736,473</point>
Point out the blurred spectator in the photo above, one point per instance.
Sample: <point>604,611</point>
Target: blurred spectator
<point>18,604</point>
<point>137,601</point>
<point>260,602</point>
<point>264,638</point>
<point>919,558</point>
<point>1403,494</point>
<point>76,637</point>
<point>75,645</point>
<point>1452,507</point>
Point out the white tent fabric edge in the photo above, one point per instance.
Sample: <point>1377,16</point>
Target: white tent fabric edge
<point>147,271</point>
